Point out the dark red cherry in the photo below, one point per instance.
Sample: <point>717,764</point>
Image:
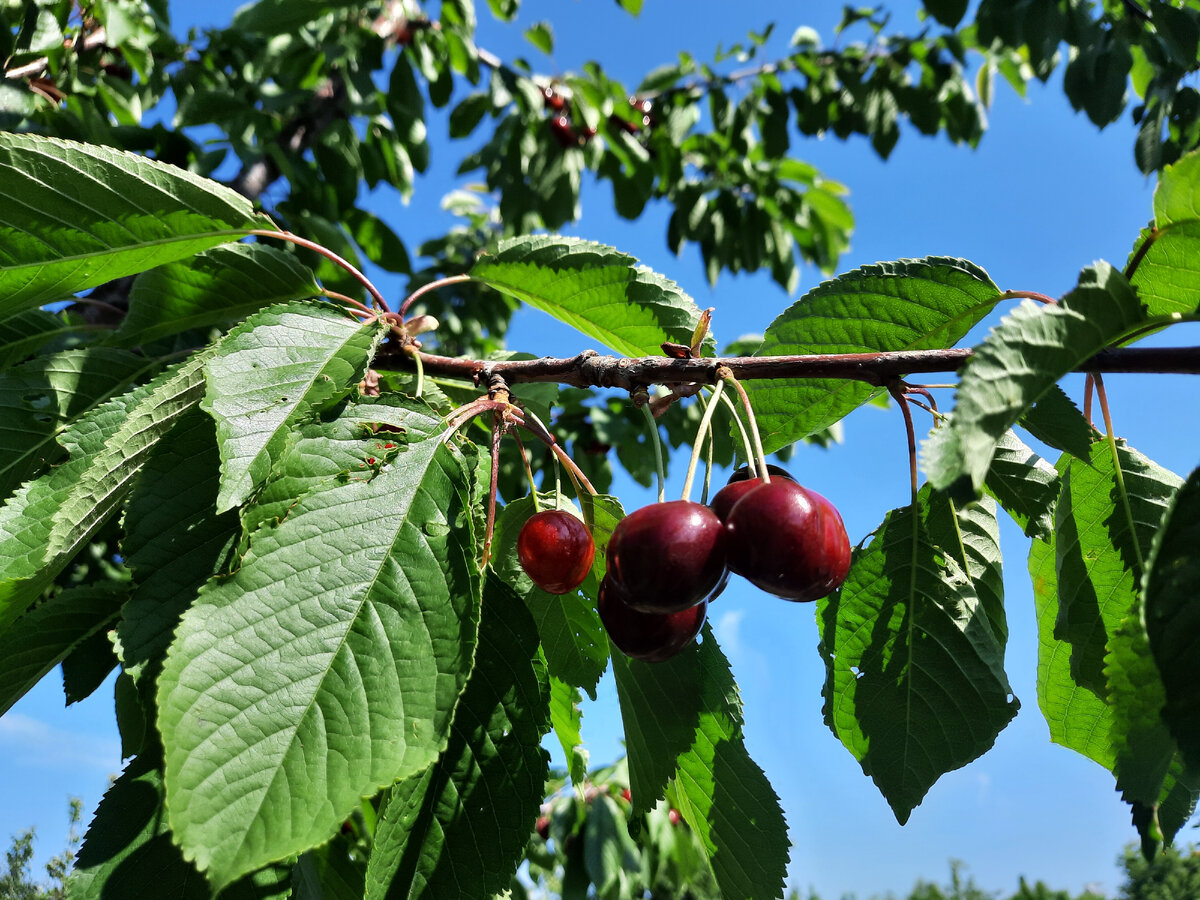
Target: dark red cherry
<point>739,483</point>
<point>560,127</point>
<point>543,827</point>
<point>652,637</point>
<point>787,540</point>
<point>667,556</point>
<point>556,550</point>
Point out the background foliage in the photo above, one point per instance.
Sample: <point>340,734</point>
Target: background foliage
<point>334,520</point>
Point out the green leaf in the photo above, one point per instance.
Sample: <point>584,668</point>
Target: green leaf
<point>633,7</point>
<point>174,539</point>
<point>86,667</point>
<point>128,838</point>
<point>48,520</point>
<point>947,12</point>
<point>26,333</point>
<point>1163,259</point>
<point>40,397</point>
<point>39,640</point>
<point>273,371</point>
<point>364,602</point>
<point>460,827</point>
<point>911,657</point>
<point>283,16</point>
<point>215,288</point>
<point>73,216</point>
<point>1025,484</point>
<point>971,536</point>
<point>609,853</point>
<point>541,35</point>
<point>904,305</point>
<point>377,241</point>
<point>1172,616</point>
<point>128,843</point>
<point>1031,349</point>
<point>599,291</point>
<point>1096,688</point>
<point>567,720</point>
<point>573,639</point>
<point>352,439</point>
<point>660,709</point>
<point>106,482</point>
<point>1177,194</point>
<point>1077,716</point>
<point>724,796</point>
<point>1056,420</point>
<point>1167,275</point>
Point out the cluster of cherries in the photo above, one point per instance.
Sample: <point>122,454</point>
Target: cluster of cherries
<point>667,561</point>
<point>567,136</point>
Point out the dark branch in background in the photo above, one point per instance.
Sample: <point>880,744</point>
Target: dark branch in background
<point>328,104</point>
<point>590,369</point>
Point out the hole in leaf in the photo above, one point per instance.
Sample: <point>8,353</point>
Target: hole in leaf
<point>37,401</point>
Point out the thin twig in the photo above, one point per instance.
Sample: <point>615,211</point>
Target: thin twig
<point>432,286</point>
<point>329,255</point>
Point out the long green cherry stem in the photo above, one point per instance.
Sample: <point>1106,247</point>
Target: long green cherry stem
<point>763,472</point>
<point>701,434</point>
<point>747,447</point>
<point>656,440</point>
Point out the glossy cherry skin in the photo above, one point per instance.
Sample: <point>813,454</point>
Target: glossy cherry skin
<point>651,637</point>
<point>788,540</point>
<point>739,483</point>
<point>555,550</point>
<point>667,556</point>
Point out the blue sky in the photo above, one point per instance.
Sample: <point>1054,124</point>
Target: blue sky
<point>1043,195</point>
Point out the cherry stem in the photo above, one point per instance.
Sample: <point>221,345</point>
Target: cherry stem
<point>727,375</point>
<point>329,255</point>
<point>1118,475</point>
<point>746,446</point>
<point>426,288</point>
<point>497,432</point>
<point>708,462</point>
<point>1028,295</point>
<point>898,392</point>
<point>538,429</point>
<point>358,305</point>
<point>1088,384</point>
<point>656,441</point>
<point>420,375</point>
<point>480,405</point>
<point>533,492</point>
<point>701,433</point>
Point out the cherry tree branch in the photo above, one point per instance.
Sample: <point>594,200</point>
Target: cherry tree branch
<point>590,369</point>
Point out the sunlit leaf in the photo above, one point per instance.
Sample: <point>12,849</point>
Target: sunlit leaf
<point>459,828</point>
<point>903,305</point>
<point>365,599</point>
<point>1031,349</point>
<point>73,216</point>
<point>217,287</point>
<point>599,291</point>
<point>915,684</point>
<point>273,371</point>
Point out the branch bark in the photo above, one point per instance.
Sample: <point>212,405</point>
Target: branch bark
<point>590,369</point>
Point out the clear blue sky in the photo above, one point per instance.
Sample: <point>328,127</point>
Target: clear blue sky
<point>1044,195</point>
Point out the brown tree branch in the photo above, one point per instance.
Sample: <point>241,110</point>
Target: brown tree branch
<point>590,369</point>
